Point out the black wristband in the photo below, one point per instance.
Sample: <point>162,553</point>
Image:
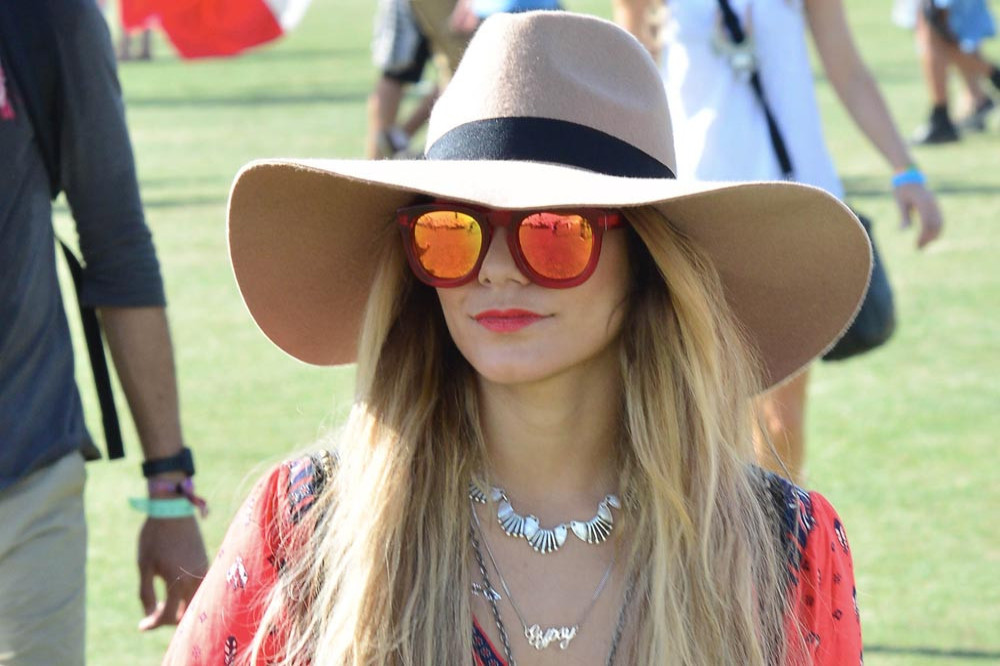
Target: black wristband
<point>182,462</point>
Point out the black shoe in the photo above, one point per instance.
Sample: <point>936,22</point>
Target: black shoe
<point>976,121</point>
<point>937,130</point>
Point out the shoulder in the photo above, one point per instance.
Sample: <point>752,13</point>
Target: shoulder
<point>303,480</point>
<point>225,614</point>
<point>807,521</point>
<point>287,492</point>
<point>793,512</point>
<point>266,529</point>
<point>822,591</point>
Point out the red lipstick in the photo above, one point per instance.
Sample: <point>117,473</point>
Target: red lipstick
<point>507,321</point>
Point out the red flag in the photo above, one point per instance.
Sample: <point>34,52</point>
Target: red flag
<point>206,28</point>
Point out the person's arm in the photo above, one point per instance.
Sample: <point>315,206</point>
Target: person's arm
<point>858,92</point>
<point>172,549</point>
<point>122,279</point>
<point>641,18</point>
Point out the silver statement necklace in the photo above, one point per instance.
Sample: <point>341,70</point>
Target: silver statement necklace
<point>492,596</point>
<point>548,540</point>
<point>537,636</point>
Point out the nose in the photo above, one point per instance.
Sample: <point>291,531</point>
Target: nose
<point>498,264</point>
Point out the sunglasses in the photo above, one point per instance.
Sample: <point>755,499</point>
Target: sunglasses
<point>558,249</point>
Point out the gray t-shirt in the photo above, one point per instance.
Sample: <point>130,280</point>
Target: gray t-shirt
<point>41,418</point>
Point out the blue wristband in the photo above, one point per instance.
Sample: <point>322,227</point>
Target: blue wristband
<point>179,507</point>
<point>912,176</point>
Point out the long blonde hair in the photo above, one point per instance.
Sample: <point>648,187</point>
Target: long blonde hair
<point>383,575</point>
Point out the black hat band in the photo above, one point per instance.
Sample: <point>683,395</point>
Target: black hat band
<point>546,140</point>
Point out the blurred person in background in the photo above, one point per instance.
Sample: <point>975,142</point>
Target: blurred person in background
<point>127,38</point>
<point>126,41</point>
<point>952,32</point>
<point>447,45</point>
<point>469,14</point>
<point>62,129</point>
<point>723,131</point>
<point>400,51</point>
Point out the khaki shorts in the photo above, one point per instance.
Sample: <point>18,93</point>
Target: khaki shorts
<point>448,47</point>
<point>43,551</point>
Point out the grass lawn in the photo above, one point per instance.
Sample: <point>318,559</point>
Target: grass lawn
<point>902,441</point>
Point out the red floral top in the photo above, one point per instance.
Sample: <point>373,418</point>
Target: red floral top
<point>225,613</point>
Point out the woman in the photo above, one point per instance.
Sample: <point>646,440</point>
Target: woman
<point>722,131</point>
<point>548,459</point>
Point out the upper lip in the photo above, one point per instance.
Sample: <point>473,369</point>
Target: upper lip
<point>512,313</point>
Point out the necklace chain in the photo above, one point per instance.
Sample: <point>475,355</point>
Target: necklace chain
<point>504,640</point>
<point>620,625</point>
<point>538,637</point>
<point>548,540</point>
<point>502,630</point>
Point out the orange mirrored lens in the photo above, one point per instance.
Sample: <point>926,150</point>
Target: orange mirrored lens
<point>447,243</point>
<point>556,245</point>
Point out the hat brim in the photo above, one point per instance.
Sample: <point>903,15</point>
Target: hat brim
<point>794,260</point>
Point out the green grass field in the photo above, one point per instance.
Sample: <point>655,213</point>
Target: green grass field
<point>902,441</point>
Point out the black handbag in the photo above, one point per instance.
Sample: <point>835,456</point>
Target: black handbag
<point>876,320</point>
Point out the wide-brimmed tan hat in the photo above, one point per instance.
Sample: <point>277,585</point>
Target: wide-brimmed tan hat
<point>547,109</point>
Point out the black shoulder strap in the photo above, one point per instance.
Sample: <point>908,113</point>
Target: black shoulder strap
<point>30,50</point>
<point>98,363</point>
<point>736,34</point>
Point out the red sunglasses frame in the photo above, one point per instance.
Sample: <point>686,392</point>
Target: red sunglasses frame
<point>600,219</point>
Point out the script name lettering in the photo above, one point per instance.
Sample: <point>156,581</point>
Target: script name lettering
<point>540,638</point>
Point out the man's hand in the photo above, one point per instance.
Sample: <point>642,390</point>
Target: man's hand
<point>171,549</point>
<point>918,198</point>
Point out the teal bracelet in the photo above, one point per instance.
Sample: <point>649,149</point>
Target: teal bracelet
<point>176,507</point>
<point>912,176</point>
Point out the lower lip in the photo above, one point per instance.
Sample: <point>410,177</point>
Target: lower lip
<point>507,324</point>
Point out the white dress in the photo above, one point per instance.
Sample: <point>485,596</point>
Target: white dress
<point>720,130</point>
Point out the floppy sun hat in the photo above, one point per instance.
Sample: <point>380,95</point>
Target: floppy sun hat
<point>546,110</point>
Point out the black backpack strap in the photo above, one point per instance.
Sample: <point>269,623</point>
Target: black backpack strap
<point>98,363</point>
<point>736,34</point>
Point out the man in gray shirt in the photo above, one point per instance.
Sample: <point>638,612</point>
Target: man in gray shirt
<point>42,431</point>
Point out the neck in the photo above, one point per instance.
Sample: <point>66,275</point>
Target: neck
<point>552,443</point>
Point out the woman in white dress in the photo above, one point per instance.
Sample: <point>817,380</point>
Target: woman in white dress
<point>721,130</point>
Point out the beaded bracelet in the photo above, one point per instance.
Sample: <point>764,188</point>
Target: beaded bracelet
<point>912,176</point>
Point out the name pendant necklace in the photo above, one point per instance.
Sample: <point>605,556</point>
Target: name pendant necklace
<point>537,636</point>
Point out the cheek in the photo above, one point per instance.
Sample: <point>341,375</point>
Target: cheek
<point>611,281</point>
<point>451,306</point>
<point>588,320</point>
<point>447,300</point>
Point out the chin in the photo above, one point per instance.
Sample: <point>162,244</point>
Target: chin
<point>513,371</point>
